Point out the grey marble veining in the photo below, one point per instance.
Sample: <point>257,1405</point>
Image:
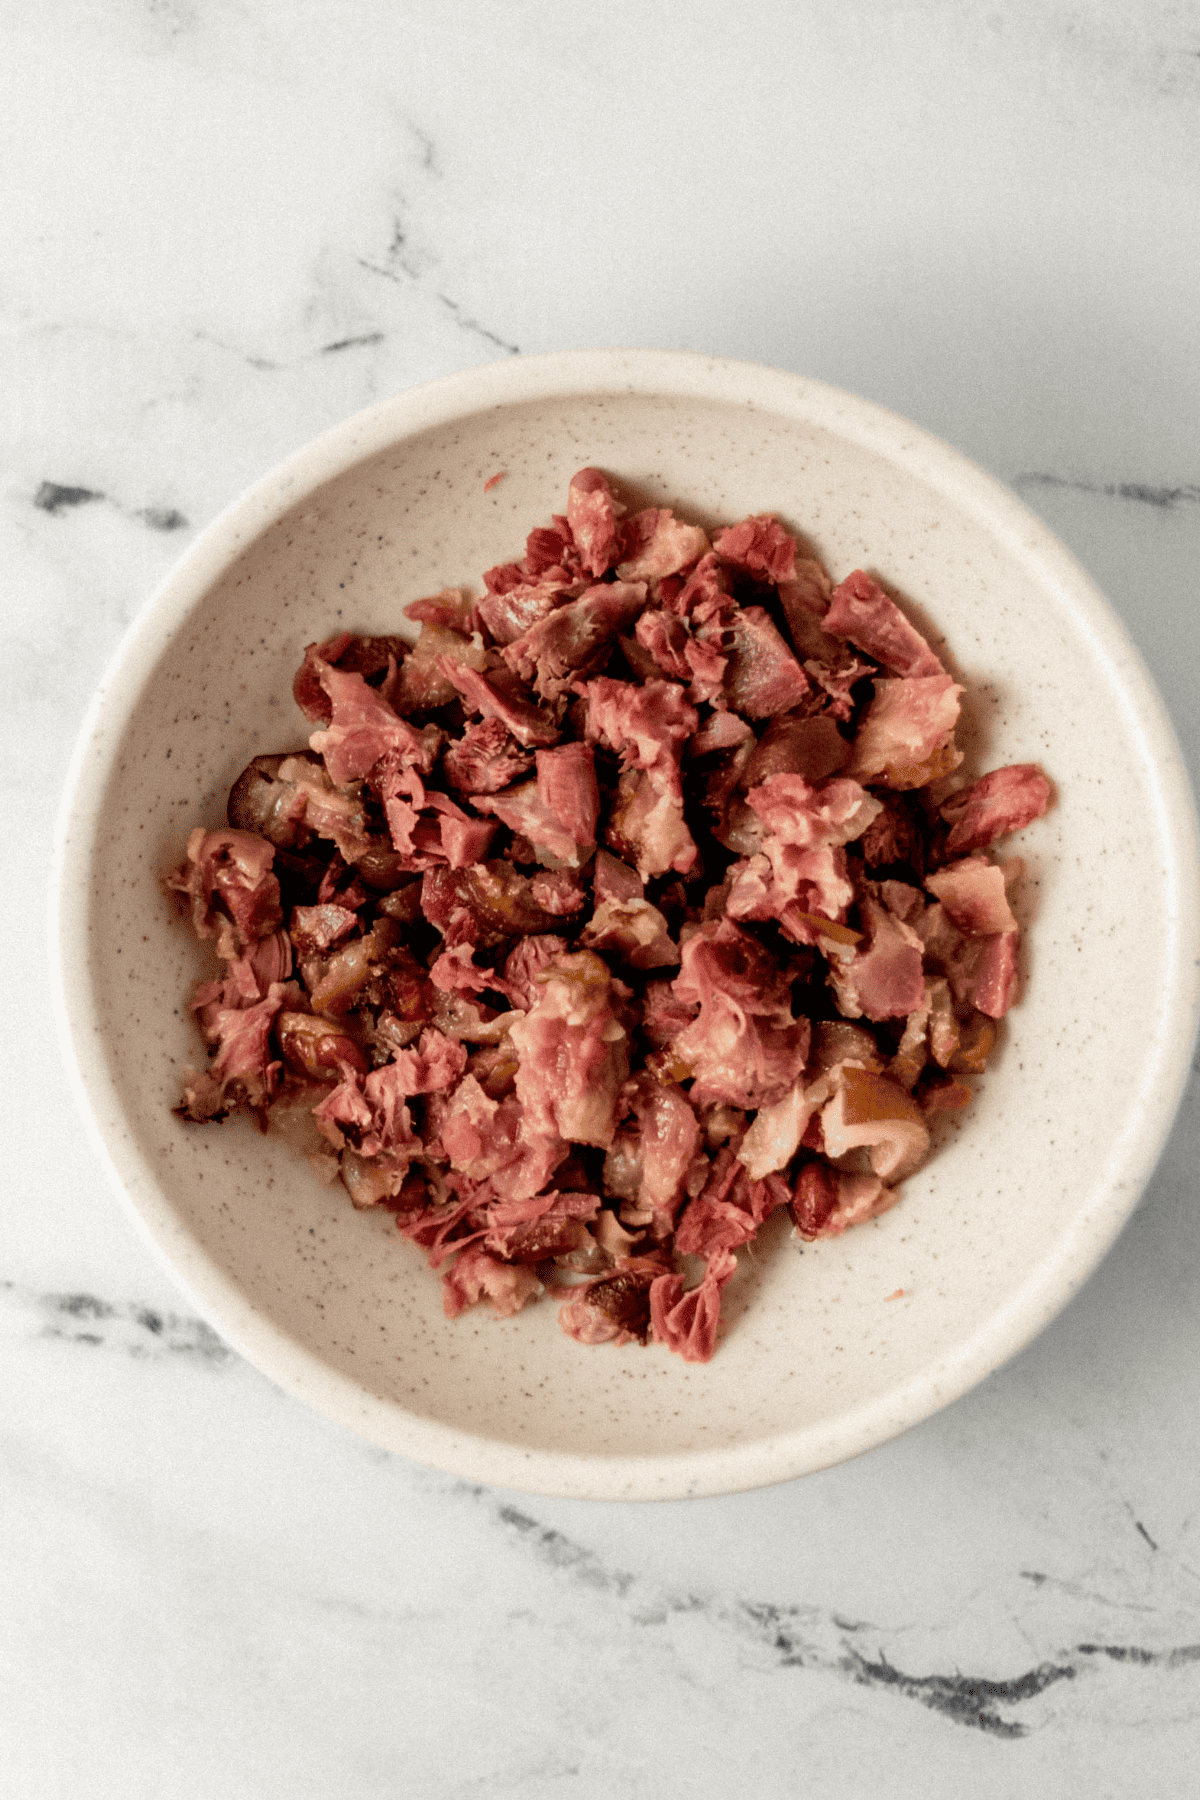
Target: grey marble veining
<point>226,227</point>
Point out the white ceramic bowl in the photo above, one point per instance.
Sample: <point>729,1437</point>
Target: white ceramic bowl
<point>1003,1224</point>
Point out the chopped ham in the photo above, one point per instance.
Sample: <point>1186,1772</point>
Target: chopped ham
<point>745,1046</point>
<point>1002,801</point>
<point>972,892</point>
<point>729,1209</point>
<point>575,639</point>
<point>687,1322</point>
<point>441,927</point>
<point>762,677</point>
<point>861,611</point>
<point>594,514</point>
<point>242,1072</point>
<point>633,931</point>
<point>616,1308</point>
<point>477,1275</point>
<point>759,545</point>
<point>873,1112</point>
<point>497,698</point>
<point>557,811</point>
<point>362,728</point>
<point>233,893</point>
<point>883,978</point>
<point>509,615</point>
<point>649,1159</point>
<point>910,720</point>
<point>485,759</point>
<point>526,963</point>
<point>371,657</point>
<point>828,1201</point>
<point>801,873</point>
<point>492,903</point>
<point>647,725</point>
<point>421,682</point>
<point>573,1052</point>
<point>657,544</point>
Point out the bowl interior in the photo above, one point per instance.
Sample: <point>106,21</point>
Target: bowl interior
<point>821,1356</point>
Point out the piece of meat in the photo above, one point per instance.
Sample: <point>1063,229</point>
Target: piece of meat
<point>729,1209</point>
<point>616,1308</point>
<point>762,677</point>
<point>801,873</point>
<point>860,610</point>
<point>632,931</point>
<point>477,1275</point>
<point>647,725</point>
<point>558,811</point>
<point>260,801</point>
<point>652,1152</point>
<point>760,545</point>
<point>573,1052</point>
<point>884,977</point>
<point>508,615</point>
<point>687,1322</point>
<point>492,903</point>
<point>243,1072</point>
<point>973,894</point>
<point>1000,802</point>
<point>594,515</point>
<point>576,638</point>
<point>500,697</point>
<point>486,759</point>
<point>232,893</point>
<point>421,682</point>
<point>811,747</point>
<point>910,721</point>
<point>744,1046</point>
<point>657,544</point>
<point>370,657</point>
<point>362,728</point>
<point>615,880</point>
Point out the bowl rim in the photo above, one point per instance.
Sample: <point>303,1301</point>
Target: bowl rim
<point>675,374</point>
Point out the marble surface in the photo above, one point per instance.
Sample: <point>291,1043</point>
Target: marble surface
<point>226,225</point>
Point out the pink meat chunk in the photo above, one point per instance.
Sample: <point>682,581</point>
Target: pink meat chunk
<point>594,514</point>
<point>573,1053</point>
<point>909,719</point>
<point>861,611</point>
<point>744,1046</point>
<point>885,978</point>
<point>762,677</point>
<point>1004,800</point>
<point>498,699</point>
<point>486,759</point>
<point>362,728</point>
<point>973,894</point>
<point>228,881</point>
<point>477,1275</point>
<point>760,545</point>
<point>558,811</point>
<point>687,1322</point>
<point>653,1151</point>
<point>576,638</point>
<point>507,616</point>
<point>657,544</point>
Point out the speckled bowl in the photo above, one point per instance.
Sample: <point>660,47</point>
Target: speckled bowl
<point>821,1357</point>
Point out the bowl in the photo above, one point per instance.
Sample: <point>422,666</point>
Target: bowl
<point>830,1348</point>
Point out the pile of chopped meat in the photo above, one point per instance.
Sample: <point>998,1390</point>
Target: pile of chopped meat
<point>637,900</point>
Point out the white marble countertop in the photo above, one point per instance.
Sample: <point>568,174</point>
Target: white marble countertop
<point>227,225</point>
